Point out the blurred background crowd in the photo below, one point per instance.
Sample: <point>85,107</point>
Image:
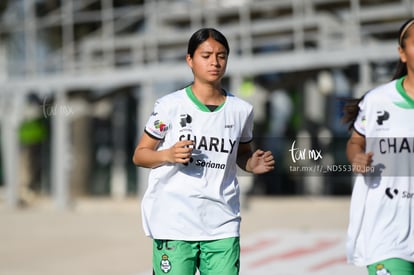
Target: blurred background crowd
<point>78,79</point>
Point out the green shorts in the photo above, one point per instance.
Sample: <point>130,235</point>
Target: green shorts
<point>185,257</point>
<point>392,266</point>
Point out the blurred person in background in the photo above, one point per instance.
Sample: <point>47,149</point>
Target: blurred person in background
<point>193,142</point>
<point>32,133</point>
<point>381,150</point>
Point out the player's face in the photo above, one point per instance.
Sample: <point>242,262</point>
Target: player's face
<point>209,61</point>
<point>407,54</point>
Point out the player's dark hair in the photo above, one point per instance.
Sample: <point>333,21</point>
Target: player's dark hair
<point>202,35</point>
<point>351,110</point>
<point>401,69</point>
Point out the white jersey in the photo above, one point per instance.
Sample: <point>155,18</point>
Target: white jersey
<point>382,214</point>
<point>198,200</point>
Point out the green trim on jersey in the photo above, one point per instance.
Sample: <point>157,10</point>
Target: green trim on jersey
<point>409,102</point>
<point>198,103</point>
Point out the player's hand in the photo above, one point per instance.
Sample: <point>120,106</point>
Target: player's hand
<point>181,151</point>
<point>362,162</point>
<point>261,162</point>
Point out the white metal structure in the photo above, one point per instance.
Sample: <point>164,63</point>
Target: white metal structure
<point>52,47</point>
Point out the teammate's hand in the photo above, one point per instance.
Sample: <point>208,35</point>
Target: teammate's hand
<point>261,162</point>
<point>362,162</point>
<point>181,151</point>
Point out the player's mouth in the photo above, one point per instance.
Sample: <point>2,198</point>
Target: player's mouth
<point>214,72</point>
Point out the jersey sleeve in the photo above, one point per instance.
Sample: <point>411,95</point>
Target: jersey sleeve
<point>247,133</point>
<point>360,121</point>
<point>158,123</point>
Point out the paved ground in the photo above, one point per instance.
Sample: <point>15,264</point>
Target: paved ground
<point>280,235</point>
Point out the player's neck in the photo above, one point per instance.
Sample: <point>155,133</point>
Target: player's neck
<point>408,85</point>
<point>208,94</point>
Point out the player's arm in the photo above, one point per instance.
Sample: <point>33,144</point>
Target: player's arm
<point>147,155</point>
<point>355,152</point>
<point>257,162</point>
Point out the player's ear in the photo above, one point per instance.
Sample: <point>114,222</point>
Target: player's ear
<point>401,52</point>
<point>189,60</point>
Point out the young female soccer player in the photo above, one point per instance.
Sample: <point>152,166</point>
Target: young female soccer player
<point>381,149</point>
<point>192,142</point>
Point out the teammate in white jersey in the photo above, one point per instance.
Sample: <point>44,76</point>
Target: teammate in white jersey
<point>193,142</point>
<point>381,150</point>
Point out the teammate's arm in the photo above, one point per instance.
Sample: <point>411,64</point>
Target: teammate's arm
<point>147,155</point>
<point>355,152</point>
<point>257,162</point>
